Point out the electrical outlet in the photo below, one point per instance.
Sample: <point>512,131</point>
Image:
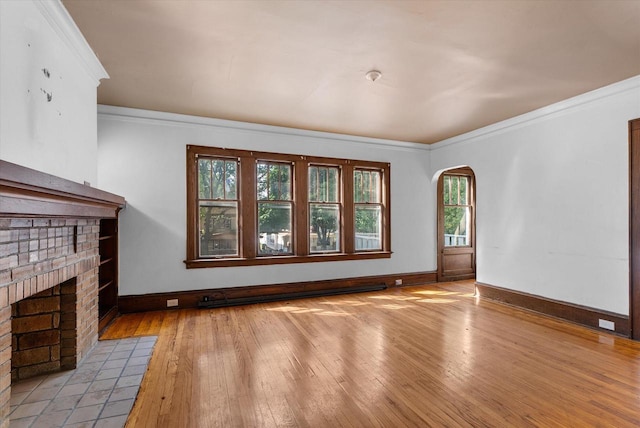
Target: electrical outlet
<point>398,282</point>
<point>172,303</point>
<point>609,325</point>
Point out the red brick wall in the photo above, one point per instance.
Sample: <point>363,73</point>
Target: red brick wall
<point>36,255</point>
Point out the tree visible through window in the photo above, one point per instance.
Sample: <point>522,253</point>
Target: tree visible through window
<point>456,210</point>
<point>324,209</point>
<point>274,208</point>
<point>218,207</point>
<point>368,207</point>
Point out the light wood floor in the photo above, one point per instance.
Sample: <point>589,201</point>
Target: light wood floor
<point>415,356</point>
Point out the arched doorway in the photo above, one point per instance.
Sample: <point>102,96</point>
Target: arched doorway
<point>456,225</point>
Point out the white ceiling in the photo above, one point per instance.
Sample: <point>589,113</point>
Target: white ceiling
<point>448,66</point>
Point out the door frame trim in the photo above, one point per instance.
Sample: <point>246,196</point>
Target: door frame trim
<point>468,171</point>
<point>634,229</point>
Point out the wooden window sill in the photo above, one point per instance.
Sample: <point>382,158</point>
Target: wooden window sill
<point>277,260</point>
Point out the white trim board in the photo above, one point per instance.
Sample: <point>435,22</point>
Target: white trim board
<point>61,22</point>
<point>542,113</point>
<point>150,116</point>
<point>139,115</point>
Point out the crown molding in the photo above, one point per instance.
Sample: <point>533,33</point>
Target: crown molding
<point>61,22</point>
<point>149,116</point>
<point>156,117</point>
<point>543,113</point>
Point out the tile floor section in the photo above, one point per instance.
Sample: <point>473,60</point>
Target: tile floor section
<point>99,393</point>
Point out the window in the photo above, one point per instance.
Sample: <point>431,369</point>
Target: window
<point>368,208</point>
<point>217,207</point>
<point>457,206</point>
<point>324,209</point>
<point>275,204</point>
<point>248,208</point>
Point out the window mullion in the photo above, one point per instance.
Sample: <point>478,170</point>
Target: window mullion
<point>224,179</point>
<point>246,200</point>
<point>348,218</point>
<point>213,178</point>
<point>385,190</point>
<point>193,195</point>
<point>301,207</point>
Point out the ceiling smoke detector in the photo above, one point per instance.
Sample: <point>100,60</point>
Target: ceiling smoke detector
<point>373,75</point>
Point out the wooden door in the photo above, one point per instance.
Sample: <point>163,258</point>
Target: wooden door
<point>634,228</point>
<point>456,225</point>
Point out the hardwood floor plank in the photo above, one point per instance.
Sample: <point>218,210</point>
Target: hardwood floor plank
<point>416,356</point>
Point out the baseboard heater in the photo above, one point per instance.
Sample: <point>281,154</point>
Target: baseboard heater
<point>218,303</point>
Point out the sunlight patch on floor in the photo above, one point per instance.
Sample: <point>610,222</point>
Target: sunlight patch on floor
<point>333,314</point>
<point>390,297</point>
<point>394,306</point>
<point>346,303</point>
<point>437,300</point>
<point>302,310</point>
<point>386,301</point>
<point>286,308</point>
<point>437,292</point>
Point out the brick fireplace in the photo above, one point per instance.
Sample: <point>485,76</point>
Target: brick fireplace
<point>49,260</point>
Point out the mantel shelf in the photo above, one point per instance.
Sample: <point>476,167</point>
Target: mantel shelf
<point>25,192</point>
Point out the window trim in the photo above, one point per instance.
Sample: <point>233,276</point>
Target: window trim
<point>339,202</point>
<point>291,202</point>
<point>370,204</point>
<point>247,216</point>
<point>236,200</point>
<point>467,270</point>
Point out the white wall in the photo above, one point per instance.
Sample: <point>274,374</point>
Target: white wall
<point>56,135</point>
<point>552,198</point>
<point>142,156</point>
